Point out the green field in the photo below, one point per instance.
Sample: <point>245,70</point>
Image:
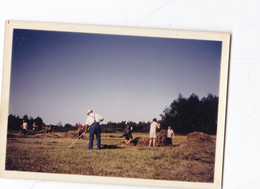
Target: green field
<point>50,153</point>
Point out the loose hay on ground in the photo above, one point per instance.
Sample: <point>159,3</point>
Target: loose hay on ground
<point>183,163</point>
<point>16,135</point>
<point>71,134</point>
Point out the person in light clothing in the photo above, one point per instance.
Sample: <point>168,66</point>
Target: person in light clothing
<point>153,126</point>
<point>25,127</point>
<point>93,121</point>
<point>170,135</point>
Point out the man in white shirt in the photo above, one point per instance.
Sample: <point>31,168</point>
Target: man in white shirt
<point>93,121</point>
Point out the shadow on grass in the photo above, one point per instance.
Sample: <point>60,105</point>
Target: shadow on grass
<point>105,146</point>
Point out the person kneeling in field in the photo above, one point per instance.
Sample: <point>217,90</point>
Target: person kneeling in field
<point>153,136</point>
<point>128,133</point>
<point>93,121</point>
<point>170,135</point>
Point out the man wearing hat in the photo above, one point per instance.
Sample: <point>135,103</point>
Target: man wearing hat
<point>93,121</point>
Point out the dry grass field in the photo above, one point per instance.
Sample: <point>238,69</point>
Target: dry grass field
<point>184,161</point>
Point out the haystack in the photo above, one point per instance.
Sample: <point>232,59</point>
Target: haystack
<point>160,141</point>
<point>198,137</point>
<point>162,138</point>
<point>141,141</point>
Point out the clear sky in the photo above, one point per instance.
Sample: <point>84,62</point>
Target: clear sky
<point>60,75</point>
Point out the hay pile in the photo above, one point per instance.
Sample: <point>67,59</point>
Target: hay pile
<point>141,141</point>
<point>160,141</point>
<point>161,138</point>
<point>71,134</point>
<point>198,137</point>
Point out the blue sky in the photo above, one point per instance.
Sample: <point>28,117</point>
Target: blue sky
<point>60,75</point>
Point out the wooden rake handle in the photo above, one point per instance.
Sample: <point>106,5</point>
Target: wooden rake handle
<point>70,146</point>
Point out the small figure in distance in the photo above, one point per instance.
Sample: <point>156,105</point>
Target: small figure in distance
<point>170,136</point>
<point>80,130</point>
<point>25,127</point>
<point>153,126</point>
<point>34,126</point>
<point>128,133</point>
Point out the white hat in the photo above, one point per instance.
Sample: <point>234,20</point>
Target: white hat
<point>89,111</point>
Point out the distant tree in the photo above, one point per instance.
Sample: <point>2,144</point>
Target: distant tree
<point>191,114</point>
<point>210,112</point>
<point>25,118</point>
<point>111,127</point>
<point>142,127</point>
<point>14,123</point>
<point>30,123</point>
<point>39,122</point>
<point>69,127</point>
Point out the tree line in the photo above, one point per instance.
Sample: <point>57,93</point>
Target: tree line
<point>187,115</point>
<point>111,127</point>
<point>15,122</point>
<point>184,115</point>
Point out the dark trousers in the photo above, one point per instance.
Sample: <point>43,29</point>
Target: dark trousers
<point>169,141</point>
<point>94,129</point>
<point>25,131</point>
<point>80,134</point>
